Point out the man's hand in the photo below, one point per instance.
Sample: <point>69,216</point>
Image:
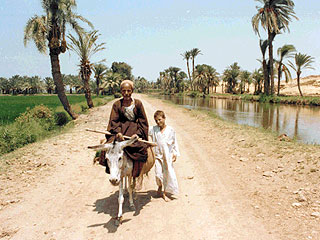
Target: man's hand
<point>135,136</point>
<point>120,137</point>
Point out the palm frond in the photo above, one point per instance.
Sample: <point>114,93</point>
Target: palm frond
<point>36,30</point>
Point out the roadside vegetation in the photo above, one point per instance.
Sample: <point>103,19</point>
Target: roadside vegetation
<point>36,121</point>
<point>12,106</point>
<point>308,100</point>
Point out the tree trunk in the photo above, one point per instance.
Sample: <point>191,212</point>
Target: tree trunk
<point>266,77</point>
<point>188,70</point>
<point>193,74</point>
<point>298,83</point>
<point>279,76</point>
<point>87,92</point>
<point>270,39</point>
<point>57,78</point>
<point>98,83</point>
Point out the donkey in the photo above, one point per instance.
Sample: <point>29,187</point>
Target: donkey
<point>121,166</point>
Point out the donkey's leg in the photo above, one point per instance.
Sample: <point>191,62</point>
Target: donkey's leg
<point>125,186</point>
<point>120,201</point>
<point>130,190</point>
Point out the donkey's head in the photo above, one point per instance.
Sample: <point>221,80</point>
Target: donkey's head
<point>114,157</point>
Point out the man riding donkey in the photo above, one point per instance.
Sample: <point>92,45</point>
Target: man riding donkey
<point>128,119</point>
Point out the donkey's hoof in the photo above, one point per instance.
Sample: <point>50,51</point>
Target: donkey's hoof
<point>118,221</point>
<point>132,207</point>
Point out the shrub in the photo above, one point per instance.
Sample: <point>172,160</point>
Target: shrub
<point>193,94</point>
<point>61,118</point>
<point>29,127</point>
<point>41,114</point>
<point>97,102</point>
<point>84,107</point>
<point>17,135</point>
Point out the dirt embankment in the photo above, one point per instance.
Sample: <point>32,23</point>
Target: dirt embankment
<point>310,86</point>
<point>236,182</point>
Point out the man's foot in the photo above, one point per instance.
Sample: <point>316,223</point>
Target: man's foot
<point>165,198</point>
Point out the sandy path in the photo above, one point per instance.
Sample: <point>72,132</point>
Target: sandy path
<point>76,201</point>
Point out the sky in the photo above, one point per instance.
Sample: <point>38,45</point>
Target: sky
<point>151,35</point>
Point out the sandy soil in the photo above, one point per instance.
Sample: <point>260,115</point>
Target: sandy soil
<point>236,182</point>
<point>310,86</point>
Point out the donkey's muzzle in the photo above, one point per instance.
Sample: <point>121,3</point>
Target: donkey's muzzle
<point>114,182</point>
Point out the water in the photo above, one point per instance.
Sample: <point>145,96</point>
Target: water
<point>299,122</point>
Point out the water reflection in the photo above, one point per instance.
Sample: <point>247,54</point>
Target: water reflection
<point>300,122</point>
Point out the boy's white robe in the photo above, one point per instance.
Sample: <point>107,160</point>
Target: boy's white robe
<point>167,146</point>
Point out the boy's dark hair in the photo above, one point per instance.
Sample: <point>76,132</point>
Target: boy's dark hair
<point>159,113</point>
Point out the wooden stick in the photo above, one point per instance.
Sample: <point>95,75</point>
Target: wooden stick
<point>125,137</point>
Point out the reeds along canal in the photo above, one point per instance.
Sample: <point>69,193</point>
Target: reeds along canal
<point>299,122</point>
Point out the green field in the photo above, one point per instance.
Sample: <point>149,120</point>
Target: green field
<point>12,106</point>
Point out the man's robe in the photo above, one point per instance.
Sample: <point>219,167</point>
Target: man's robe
<point>118,123</point>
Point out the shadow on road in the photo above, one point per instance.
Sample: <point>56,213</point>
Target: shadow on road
<point>109,205</point>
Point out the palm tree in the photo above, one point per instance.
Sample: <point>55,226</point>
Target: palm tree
<point>273,16</point>
<point>263,47</point>
<point>213,78</point>
<point>100,72</point>
<point>194,52</point>
<point>302,61</point>
<point>230,76</point>
<point>112,81</point>
<point>4,85</point>
<point>15,83</point>
<point>200,77</point>
<point>206,77</point>
<point>284,52</point>
<point>49,84</point>
<point>257,77</point>
<point>165,80</point>
<point>34,84</point>
<point>85,46</point>
<point>173,73</point>
<point>245,77</point>
<point>187,55</point>
<point>141,84</point>
<point>48,31</point>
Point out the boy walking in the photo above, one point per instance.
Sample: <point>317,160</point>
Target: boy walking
<point>166,152</point>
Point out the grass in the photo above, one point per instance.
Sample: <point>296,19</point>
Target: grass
<point>37,117</point>
<point>12,106</point>
<point>297,100</point>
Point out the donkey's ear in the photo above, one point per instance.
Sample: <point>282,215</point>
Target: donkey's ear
<point>106,147</point>
<point>129,142</point>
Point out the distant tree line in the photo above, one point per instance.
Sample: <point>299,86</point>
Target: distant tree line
<point>274,16</point>
<point>105,81</point>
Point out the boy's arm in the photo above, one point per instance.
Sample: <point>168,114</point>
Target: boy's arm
<point>175,148</point>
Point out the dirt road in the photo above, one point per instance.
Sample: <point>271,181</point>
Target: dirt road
<point>65,197</point>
